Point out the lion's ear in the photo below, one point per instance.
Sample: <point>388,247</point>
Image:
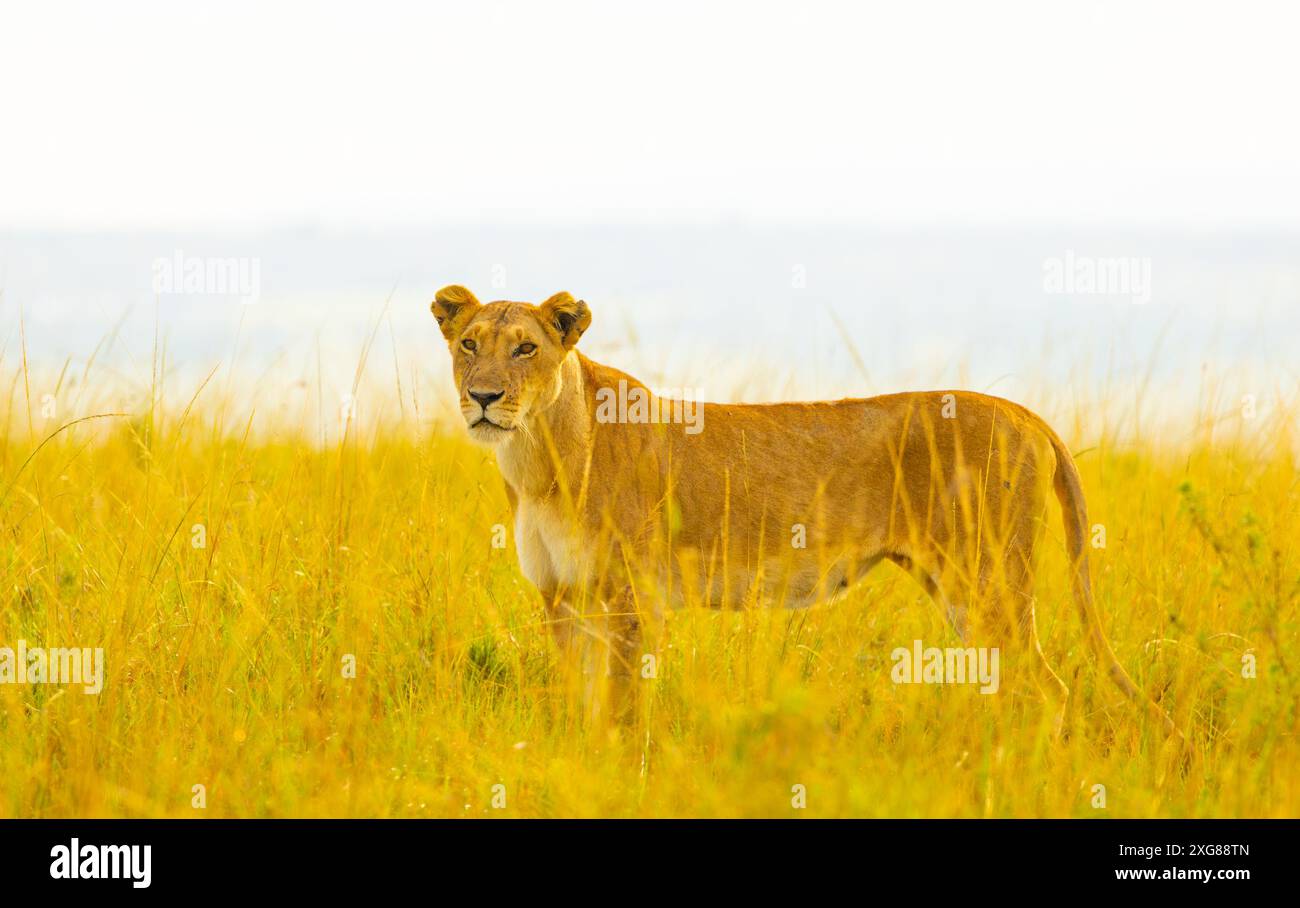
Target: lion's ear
<point>451,306</point>
<point>567,317</point>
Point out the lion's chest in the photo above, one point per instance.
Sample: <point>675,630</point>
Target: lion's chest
<point>547,546</point>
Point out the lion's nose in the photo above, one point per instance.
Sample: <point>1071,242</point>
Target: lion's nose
<point>485,398</point>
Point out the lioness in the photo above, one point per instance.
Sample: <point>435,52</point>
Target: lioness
<point>776,503</point>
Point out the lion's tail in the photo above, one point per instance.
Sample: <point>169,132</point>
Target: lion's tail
<point>1074,512</point>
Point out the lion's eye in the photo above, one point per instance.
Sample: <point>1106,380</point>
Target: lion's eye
<point>468,345</point>
<point>525,350</point>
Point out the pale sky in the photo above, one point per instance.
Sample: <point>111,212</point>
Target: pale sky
<point>162,115</point>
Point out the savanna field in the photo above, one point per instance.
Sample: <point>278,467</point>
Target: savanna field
<point>236,553</point>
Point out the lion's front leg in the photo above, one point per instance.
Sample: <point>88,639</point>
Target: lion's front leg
<point>623,632</point>
<point>563,619</point>
<point>598,639</point>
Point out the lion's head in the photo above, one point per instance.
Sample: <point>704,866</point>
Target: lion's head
<point>506,357</point>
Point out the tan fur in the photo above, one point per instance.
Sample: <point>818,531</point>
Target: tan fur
<point>625,519</point>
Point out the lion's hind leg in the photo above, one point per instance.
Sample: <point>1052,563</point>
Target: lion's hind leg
<point>1010,622</point>
<point>946,595</point>
<point>997,611</point>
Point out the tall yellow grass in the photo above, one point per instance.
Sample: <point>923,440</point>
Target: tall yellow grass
<point>225,662</point>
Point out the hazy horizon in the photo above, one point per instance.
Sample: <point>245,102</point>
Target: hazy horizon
<point>734,311</point>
